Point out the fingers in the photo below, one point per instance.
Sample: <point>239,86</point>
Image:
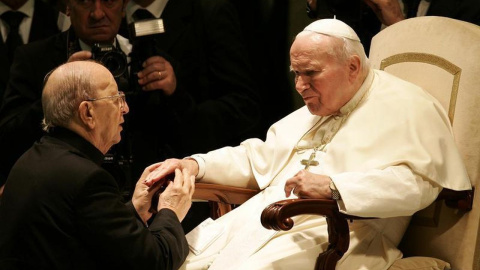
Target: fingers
<point>294,184</point>
<point>153,167</point>
<point>80,56</point>
<point>152,73</point>
<point>151,68</point>
<point>178,195</point>
<point>372,5</point>
<point>178,181</point>
<point>157,172</point>
<point>290,186</point>
<point>192,186</point>
<point>158,74</point>
<point>185,181</point>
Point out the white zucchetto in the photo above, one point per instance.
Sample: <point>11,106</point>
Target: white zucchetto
<point>332,27</point>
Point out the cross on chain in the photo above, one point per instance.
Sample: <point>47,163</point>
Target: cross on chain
<point>310,161</point>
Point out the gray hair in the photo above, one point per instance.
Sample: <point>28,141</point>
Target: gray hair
<point>64,89</point>
<point>345,48</point>
<point>353,47</point>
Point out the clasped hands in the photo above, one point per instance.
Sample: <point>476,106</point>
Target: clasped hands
<point>157,73</point>
<point>176,196</point>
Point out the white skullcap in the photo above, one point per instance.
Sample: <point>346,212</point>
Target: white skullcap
<point>332,27</point>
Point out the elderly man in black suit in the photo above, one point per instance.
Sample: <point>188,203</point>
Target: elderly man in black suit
<point>64,211</point>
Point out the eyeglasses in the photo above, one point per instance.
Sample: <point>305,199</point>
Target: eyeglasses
<point>120,95</point>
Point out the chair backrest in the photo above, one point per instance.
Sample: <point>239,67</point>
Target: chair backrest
<point>442,55</point>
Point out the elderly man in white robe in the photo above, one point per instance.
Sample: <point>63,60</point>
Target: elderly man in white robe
<point>381,146</point>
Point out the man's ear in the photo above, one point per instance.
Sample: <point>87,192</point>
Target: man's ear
<point>354,66</point>
<point>86,114</point>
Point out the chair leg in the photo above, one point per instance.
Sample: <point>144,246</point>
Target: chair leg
<point>218,209</point>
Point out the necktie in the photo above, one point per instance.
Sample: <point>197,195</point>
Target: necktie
<point>13,19</point>
<point>142,14</point>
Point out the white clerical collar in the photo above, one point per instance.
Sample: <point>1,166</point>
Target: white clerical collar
<point>156,8</point>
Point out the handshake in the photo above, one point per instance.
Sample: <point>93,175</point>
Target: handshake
<point>173,191</point>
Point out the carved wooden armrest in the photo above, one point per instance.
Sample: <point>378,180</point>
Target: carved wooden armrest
<point>462,200</point>
<point>222,198</point>
<point>278,216</point>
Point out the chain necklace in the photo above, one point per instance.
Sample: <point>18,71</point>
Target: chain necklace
<point>325,139</point>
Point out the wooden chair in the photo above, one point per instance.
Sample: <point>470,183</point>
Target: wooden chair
<point>443,56</point>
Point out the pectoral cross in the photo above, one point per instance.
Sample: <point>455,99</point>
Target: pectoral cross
<point>310,161</point>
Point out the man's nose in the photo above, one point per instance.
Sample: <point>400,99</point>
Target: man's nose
<point>125,109</point>
<point>302,83</point>
<point>97,12</point>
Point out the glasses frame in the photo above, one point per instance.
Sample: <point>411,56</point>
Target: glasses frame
<point>120,95</point>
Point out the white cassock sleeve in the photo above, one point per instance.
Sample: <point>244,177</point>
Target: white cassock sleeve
<point>391,192</point>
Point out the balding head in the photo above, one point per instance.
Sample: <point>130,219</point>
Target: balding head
<point>65,88</point>
<point>83,96</point>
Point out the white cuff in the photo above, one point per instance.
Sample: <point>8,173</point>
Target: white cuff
<point>201,166</point>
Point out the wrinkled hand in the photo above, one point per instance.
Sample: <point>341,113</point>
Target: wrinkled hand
<point>167,168</point>
<point>387,11</point>
<point>178,194</point>
<point>143,194</point>
<point>157,74</point>
<point>309,185</point>
<point>80,56</point>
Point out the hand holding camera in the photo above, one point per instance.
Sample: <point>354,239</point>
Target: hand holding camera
<point>157,74</point>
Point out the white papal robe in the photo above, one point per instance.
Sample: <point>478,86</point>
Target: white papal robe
<point>391,151</point>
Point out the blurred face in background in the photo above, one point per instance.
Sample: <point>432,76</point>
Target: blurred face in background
<point>96,21</point>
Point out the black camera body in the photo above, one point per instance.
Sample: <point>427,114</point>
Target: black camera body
<point>111,57</point>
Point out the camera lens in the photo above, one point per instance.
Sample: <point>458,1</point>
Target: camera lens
<point>115,62</point>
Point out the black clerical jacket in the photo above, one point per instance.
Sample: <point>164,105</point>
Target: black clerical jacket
<point>61,210</point>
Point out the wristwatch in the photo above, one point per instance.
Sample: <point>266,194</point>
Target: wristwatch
<point>335,193</point>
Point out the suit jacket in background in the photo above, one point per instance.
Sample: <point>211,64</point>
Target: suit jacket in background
<point>44,24</point>
<point>216,102</point>
<point>64,211</point>
<point>21,113</point>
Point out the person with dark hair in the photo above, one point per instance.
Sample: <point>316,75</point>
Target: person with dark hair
<point>61,210</point>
